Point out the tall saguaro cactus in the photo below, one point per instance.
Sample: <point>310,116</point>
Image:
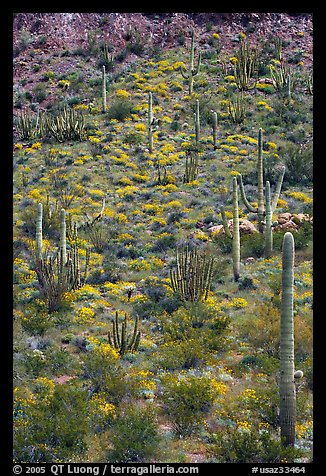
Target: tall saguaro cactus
<point>215,129</point>
<point>103,89</point>
<point>197,123</point>
<point>287,385</point>
<point>39,234</point>
<point>260,209</point>
<point>236,230</point>
<point>192,70</point>
<point>150,122</point>
<point>63,236</point>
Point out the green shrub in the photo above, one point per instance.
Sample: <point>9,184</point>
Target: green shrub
<point>120,109</point>
<point>103,368</point>
<point>187,400</point>
<point>135,435</point>
<point>236,445</point>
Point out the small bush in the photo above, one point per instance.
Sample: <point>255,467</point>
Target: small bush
<point>120,109</point>
<point>135,435</point>
<point>187,400</point>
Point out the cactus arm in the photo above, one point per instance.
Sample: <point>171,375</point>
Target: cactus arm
<point>236,232</point>
<point>287,385</point>
<point>268,226</point>
<point>184,73</point>
<point>278,190</point>
<point>244,198</point>
<point>225,223</point>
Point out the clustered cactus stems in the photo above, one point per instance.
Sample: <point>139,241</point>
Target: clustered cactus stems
<point>103,89</point>
<point>120,340</point>
<point>59,273</point>
<point>67,125</point>
<point>260,209</point>
<point>191,170</point>
<point>287,372</point>
<point>237,108</point>
<point>192,276</point>
<point>192,70</point>
<point>30,127</point>
<point>281,76</point>
<point>236,230</point>
<point>246,66</point>
<point>162,174</point>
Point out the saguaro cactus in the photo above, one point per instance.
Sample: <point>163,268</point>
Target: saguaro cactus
<point>39,235</point>
<point>260,210</point>
<point>150,121</point>
<point>120,340</point>
<point>236,230</point>
<point>287,385</point>
<point>197,123</point>
<point>103,89</point>
<point>192,70</point>
<point>214,129</point>
<point>63,234</point>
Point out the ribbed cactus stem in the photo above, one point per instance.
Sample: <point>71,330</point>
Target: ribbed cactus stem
<point>268,225</point>
<point>215,129</point>
<point>225,223</point>
<point>103,89</point>
<point>236,231</point>
<point>287,385</point>
<point>121,341</point>
<point>197,122</point>
<point>150,119</point>
<point>260,169</point>
<point>63,241</point>
<point>39,234</point>
<point>278,190</point>
<point>192,70</point>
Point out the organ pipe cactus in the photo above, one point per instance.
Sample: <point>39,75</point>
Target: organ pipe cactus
<point>67,125</point>
<point>192,69</point>
<point>120,340</point>
<point>58,273</point>
<point>246,65</point>
<point>260,209</point>
<point>192,276</point>
<point>191,170</point>
<point>236,230</point>
<point>287,384</point>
